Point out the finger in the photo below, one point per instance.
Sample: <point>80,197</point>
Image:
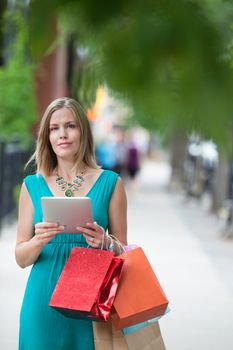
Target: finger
<point>57,230</point>
<point>95,245</point>
<point>39,232</point>
<point>89,238</point>
<point>85,230</point>
<point>98,230</point>
<point>93,225</point>
<point>45,224</point>
<point>92,243</point>
<point>96,227</point>
<point>46,236</point>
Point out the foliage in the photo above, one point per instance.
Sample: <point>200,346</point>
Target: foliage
<point>87,73</point>
<point>17,99</point>
<point>171,59</point>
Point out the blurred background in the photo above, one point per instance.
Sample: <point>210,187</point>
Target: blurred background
<point>156,80</point>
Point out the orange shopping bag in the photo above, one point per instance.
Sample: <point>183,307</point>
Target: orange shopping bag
<point>139,296</point>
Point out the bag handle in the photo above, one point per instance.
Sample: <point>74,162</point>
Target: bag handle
<point>112,237</point>
<point>119,243</point>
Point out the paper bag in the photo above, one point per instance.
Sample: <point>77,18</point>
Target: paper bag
<point>136,327</point>
<point>107,338</point>
<point>148,338</point>
<point>139,296</point>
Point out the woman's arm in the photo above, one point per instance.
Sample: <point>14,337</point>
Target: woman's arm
<point>30,240</point>
<point>118,213</point>
<point>117,223</point>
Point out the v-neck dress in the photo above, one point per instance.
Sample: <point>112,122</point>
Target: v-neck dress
<point>41,326</point>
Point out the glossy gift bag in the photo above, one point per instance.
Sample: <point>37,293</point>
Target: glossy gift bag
<point>140,296</point>
<point>88,284</point>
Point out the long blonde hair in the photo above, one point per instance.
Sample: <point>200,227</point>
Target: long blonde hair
<point>44,156</point>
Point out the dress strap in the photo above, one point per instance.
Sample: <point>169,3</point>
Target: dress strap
<point>107,185</point>
<point>34,186</point>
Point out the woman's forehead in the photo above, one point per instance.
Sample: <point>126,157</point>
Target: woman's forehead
<point>62,115</point>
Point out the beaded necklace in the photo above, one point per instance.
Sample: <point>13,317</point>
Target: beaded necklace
<point>70,187</point>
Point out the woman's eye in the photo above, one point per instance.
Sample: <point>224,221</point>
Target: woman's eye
<point>72,126</point>
<point>52,129</point>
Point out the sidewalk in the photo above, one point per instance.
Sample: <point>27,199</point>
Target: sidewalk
<point>191,260</point>
<point>193,263</point>
<point>13,280</point>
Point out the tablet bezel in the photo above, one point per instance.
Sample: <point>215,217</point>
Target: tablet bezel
<point>68,211</point>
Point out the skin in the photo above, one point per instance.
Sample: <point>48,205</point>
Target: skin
<point>65,140</point>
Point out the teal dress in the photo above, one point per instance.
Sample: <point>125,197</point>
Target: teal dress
<point>41,326</point>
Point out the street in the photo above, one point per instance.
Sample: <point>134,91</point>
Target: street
<point>183,242</point>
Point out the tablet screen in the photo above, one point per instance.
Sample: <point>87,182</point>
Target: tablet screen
<point>68,211</point>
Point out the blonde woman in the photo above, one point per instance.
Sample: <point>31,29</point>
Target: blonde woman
<point>64,149</point>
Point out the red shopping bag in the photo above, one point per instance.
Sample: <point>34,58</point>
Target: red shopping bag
<point>88,284</point>
<point>140,296</point>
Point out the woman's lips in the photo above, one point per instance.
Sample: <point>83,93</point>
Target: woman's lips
<point>64,144</point>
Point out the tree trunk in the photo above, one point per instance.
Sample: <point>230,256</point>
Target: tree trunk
<point>3,6</point>
<point>177,145</point>
<point>220,184</point>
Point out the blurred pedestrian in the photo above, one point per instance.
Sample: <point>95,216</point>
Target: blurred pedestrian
<point>121,151</point>
<point>106,154</point>
<point>132,160</point>
<point>64,150</point>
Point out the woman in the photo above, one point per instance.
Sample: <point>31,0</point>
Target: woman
<point>64,150</point>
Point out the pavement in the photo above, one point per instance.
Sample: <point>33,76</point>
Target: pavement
<point>185,246</point>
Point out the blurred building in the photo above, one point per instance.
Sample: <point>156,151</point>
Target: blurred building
<point>52,75</point>
<point>53,72</point>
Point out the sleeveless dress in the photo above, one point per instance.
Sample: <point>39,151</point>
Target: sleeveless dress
<point>41,326</point>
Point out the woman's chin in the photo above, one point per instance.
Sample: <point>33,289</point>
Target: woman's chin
<point>66,155</point>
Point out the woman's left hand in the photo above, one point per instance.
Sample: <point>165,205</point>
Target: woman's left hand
<point>94,234</point>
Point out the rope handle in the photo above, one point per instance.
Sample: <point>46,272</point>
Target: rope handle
<point>112,237</point>
<point>119,243</point>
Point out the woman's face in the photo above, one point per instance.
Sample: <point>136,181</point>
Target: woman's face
<point>64,134</point>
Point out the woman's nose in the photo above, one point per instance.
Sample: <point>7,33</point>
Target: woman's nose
<point>62,133</point>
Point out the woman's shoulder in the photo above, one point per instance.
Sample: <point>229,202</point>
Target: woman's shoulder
<point>110,174</point>
<point>101,172</point>
<point>29,179</point>
<point>105,177</point>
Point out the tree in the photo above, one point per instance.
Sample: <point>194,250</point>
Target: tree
<point>169,58</point>
<point>17,99</point>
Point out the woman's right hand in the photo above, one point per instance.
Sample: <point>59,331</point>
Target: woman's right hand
<point>45,231</point>
<point>31,239</point>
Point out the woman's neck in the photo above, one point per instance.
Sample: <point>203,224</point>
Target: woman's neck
<point>68,170</point>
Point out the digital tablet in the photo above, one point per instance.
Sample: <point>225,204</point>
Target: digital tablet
<point>67,211</point>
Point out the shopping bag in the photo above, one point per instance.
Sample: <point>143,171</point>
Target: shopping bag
<point>140,296</point>
<point>136,327</point>
<point>106,337</point>
<point>88,284</point>
<point>148,338</point>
